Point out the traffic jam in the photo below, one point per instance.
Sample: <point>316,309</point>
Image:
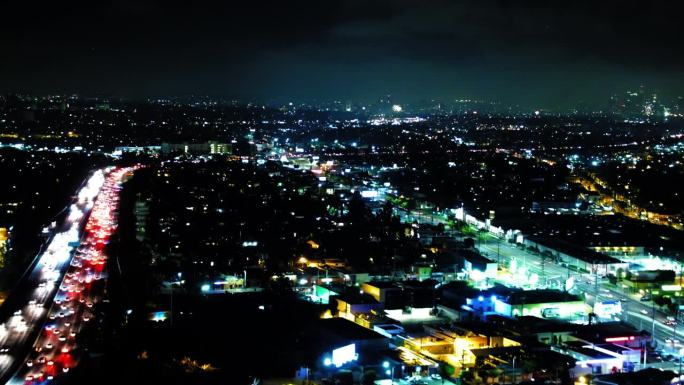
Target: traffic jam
<point>71,272</point>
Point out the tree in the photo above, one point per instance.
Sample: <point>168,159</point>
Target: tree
<point>662,301</point>
<point>385,214</point>
<point>357,208</point>
<point>469,243</point>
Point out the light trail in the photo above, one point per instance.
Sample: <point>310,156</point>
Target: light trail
<point>39,341</point>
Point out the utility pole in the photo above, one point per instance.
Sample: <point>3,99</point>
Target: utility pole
<point>171,308</point>
<point>498,254</point>
<point>513,371</point>
<point>674,329</point>
<point>650,291</point>
<point>543,269</point>
<point>679,372</point>
<point>596,290</point>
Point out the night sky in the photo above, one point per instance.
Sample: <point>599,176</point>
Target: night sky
<point>539,53</point>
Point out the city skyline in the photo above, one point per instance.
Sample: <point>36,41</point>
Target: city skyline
<point>527,53</point>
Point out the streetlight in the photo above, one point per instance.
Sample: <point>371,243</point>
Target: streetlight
<point>653,312</point>
<point>679,372</point>
<point>390,371</point>
<point>513,382</point>
<point>674,329</point>
<point>171,295</point>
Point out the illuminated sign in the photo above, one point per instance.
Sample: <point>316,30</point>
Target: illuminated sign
<point>607,309</point>
<point>341,356</point>
<point>158,316</point>
<point>569,283</point>
<point>620,339</point>
<point>671,288</point>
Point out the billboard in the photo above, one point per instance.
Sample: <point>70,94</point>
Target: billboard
<point>341,356</point>
<point>608,309</point>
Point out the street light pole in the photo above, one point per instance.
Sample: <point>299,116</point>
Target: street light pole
<point>652,314</point>
<point>674,330</point>
<point>171,307</point>
<point>513,382</point>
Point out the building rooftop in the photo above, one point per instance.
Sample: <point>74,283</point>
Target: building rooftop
<point>530,324</point>
<point>356,298</point>
<point>340,328</point>
<point>582,348</point>
<point>650,376</point>
<point>415,284</point>
<point>383,284</point>
<point>598,333</point>
<point>523,297</point>
<point>579,252</point>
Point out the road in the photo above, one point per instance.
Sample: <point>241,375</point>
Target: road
<point>641,314</point>
<point>635,312</point>
<point>39,339</point>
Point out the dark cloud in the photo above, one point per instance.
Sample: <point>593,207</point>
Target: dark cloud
<point>531,52</point>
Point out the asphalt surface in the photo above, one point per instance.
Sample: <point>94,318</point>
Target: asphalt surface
<point>54,303</point>
<point>641,314</point>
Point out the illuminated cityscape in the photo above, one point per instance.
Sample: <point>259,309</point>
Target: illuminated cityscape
<point>342,193</point>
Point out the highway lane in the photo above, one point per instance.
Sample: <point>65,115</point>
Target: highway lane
<point>41,336</point>
<point>19,328</point>
<point>57,349</point>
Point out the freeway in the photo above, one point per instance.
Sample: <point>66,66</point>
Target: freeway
<point>39,338</point>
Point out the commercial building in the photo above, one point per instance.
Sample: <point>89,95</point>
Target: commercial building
<point>341,342</point>
<point>577,257</point>
<point>211,147</point>
<point>4,239</point>
<point>538,303</point>
<point>479,267</point>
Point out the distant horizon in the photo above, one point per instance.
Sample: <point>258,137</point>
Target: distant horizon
<point>283,101</point>
<point>536,54</point>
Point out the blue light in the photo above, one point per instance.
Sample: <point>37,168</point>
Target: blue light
<point>327,361</point>
<point>205,288</point>
<point>480,298</point>
<point>159,316</point>
<point>385,364</point>
<point>388,372</point>
<point>493,298</point>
